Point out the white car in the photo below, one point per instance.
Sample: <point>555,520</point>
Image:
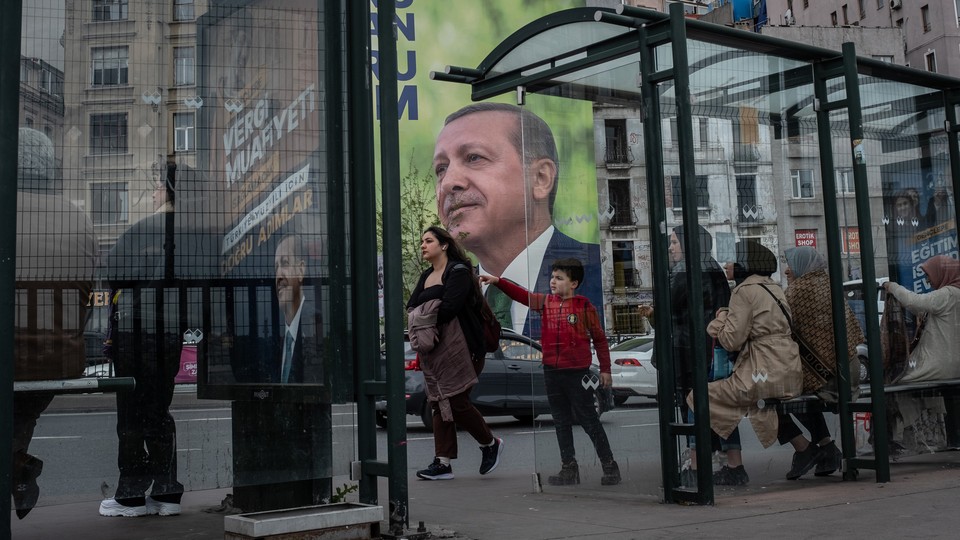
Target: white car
<point>632,370</point>
<point>854,294</point>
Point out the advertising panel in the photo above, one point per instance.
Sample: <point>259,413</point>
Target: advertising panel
<point>262,142</point>
<point>428,39</point>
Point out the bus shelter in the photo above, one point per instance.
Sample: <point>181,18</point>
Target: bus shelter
<point>692,130</point>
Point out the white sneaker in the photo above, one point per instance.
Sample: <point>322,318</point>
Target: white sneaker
<point>111,508</point>
<point>159,508</point>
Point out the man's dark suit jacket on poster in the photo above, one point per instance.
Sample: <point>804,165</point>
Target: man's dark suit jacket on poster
<point>562,246</point>
<point>305,365</point>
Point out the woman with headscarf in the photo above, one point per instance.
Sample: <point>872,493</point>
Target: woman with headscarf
<point>808,295</point>
<point>768,362</point>
<point>936,348</point>
<point>935,355</point>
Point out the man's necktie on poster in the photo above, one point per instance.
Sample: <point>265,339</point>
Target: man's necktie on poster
<point>287,357</point>
<point>500,305</point>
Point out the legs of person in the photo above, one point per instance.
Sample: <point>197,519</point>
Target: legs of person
<point>131,455</point>
<point>560,408</point>
<point>160,430</point>
<point>467,417</point>
<point>805,455</point>
<point>731,445</point>
<point>444,435</point>
<point>816,424</point>
<point>27,408</point>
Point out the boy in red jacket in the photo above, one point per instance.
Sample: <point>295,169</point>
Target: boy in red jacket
<point>569,323</point>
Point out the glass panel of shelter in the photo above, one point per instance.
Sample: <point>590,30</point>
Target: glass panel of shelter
<point>218,303</point>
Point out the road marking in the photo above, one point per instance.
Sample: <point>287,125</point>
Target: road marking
<point>203,419</point>
<point>189,449</point>
<point>641,425</point>
<point>58,437</point>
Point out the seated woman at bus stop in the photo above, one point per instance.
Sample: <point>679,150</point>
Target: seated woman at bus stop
<point>935,351</point>
<point>768,362</point>
<point>808,295</point>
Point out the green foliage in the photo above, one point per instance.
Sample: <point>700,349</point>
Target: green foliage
<point>418,206</point>
<point>342,492</point>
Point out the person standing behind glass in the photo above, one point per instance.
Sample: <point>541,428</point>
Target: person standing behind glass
<point>56,249</point>
<point>146,432</point>
<point>451,368</point>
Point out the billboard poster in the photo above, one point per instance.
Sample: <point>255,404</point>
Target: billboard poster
<point>260,67</point>
<point>428,39</point>
<point>919,218</point>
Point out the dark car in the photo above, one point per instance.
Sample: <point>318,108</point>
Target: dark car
<point>511,383</point>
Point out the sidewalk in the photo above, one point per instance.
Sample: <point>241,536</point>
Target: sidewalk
<point>921,501</point>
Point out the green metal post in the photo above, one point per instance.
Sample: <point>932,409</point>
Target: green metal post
<point>392,269</point>
<point>832,223</point>
<point>656,207</point>
<point>9,117</point>
<point>691,248</point>
<point>868,272</point>
<point>332,69</point>
<point>364,234</point>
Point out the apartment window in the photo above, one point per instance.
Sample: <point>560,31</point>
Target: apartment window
<point>615,134</point>
<point>50,82</point>
<point>833,18</point>
<point>930,60</point>
<point>925,18</point>
<point>880,3</point>
<point>703,193</point>
<point>184,66</point>
<point>110,203</point>
<point>748,209</point>
<point>845,181</point>
<point>183,126</point>
<point>626,320</point>
<point>806,4</point>
<point>887,58</point>
<point>183,10</point>
<point>624,269</point>
<point>618,190</point>
<point>863,9</point>
<point>108,133</point>
<point>846,21</point>
<point>110,66</point>
<point>802,180</point>
<point>109,10</point>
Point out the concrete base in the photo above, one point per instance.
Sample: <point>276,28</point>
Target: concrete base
<point>341,521</point>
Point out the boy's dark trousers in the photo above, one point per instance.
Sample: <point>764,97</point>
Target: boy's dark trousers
<point>569,400</point>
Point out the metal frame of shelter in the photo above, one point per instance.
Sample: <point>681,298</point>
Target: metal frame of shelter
<point>529,62</point>
<point>351,157</point>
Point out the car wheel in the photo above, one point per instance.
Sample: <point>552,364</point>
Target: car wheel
<point>620,400</point>
<point>525,418</point>
<point>381,419</point>
<point>596,405</point>
<point>426,416</point>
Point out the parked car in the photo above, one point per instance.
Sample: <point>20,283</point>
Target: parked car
<point>511,383</point>
<point>853,292</point>
<point>631,368</point>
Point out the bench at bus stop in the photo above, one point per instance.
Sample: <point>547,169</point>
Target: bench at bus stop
<point>946,388</point>
<point>85,385</point>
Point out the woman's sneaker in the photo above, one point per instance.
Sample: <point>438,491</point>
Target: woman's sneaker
<point>112,508</point>
<point>160,508</point>
<point>731,476</point>
<point>436,471</point>
<point>491,456</point>
<point>830,460</point>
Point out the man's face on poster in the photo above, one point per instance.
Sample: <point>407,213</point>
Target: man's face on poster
<point>290,269</point>
<point>480,183</point>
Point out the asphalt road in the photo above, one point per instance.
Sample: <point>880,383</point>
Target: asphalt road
<point>76,439</point>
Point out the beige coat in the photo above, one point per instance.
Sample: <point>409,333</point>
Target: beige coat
<point>768,365</point>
